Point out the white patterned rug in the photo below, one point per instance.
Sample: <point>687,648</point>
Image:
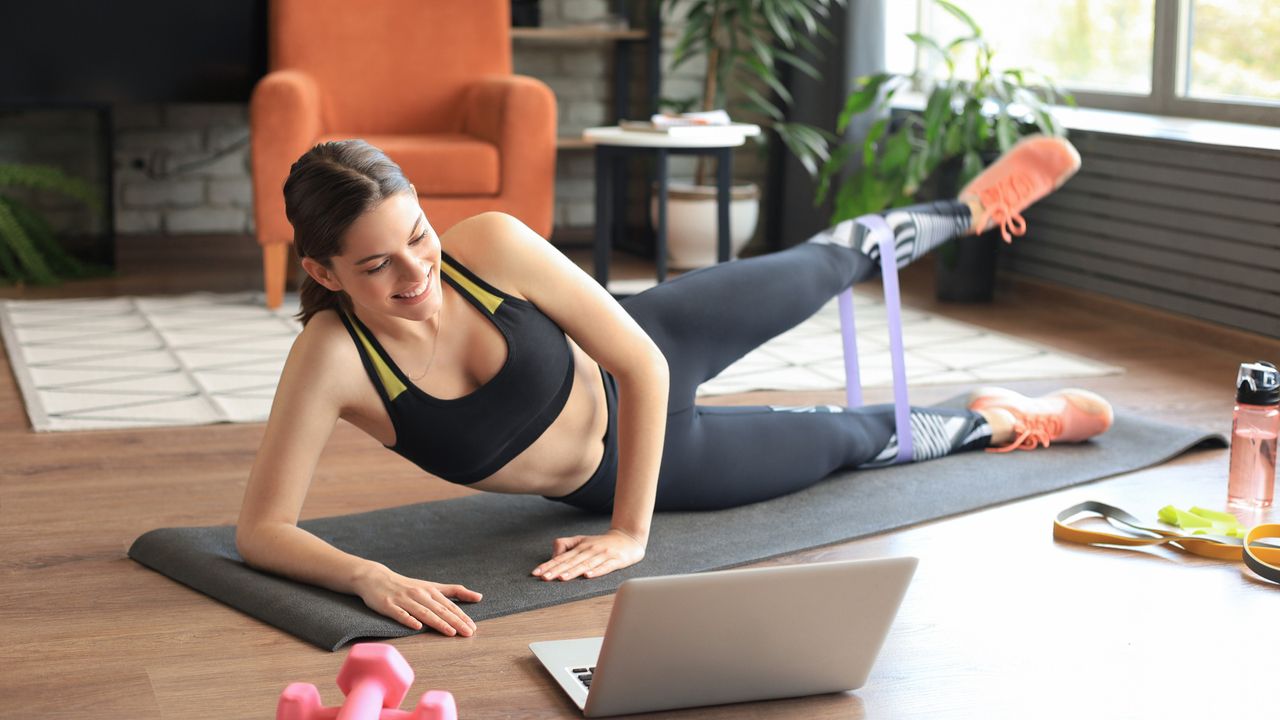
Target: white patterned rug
<point>205,358</point>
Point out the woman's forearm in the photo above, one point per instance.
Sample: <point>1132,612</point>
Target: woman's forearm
<point>642,416</point>
<point>297,554</point>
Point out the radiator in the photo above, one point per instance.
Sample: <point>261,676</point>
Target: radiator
<point>1182,227</point>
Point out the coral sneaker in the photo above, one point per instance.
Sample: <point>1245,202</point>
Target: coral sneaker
<point>1070,415</point>
<point>1034,167</point>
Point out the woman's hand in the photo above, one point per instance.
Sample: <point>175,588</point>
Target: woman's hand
<point>414,602</point>
<point>590,556</point>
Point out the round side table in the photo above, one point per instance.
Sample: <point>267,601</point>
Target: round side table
<point>613,146</point>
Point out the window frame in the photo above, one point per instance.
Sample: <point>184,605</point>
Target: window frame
<point>1168,73</point>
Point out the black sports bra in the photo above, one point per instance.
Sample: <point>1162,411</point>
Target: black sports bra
<point>467,439</point>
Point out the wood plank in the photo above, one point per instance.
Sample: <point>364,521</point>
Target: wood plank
<point>572,142</point>
<point>570,33</point>
<point>90,633</point>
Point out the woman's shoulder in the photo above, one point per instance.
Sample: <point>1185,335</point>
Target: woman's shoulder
<point>476,237</point>
<point>323,353</point>
<point>488,245</point>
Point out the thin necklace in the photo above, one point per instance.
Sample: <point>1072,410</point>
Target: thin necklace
<point>434,345</point>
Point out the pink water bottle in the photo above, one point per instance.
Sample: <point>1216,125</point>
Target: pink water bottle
<point>1252,477</point>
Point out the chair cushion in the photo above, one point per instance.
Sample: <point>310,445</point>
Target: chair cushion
<point>441,165</point>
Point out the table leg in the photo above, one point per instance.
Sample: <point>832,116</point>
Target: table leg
<point>604,223</point>
<point>660,249</point>
<point>724,173</point>
<point>618,210</point>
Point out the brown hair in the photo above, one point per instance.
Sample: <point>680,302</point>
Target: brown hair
<point>328,189</point>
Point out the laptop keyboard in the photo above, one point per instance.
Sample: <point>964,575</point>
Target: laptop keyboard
<point>584,675</point>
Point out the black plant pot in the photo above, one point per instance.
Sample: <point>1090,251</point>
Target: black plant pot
<point>965,268</point>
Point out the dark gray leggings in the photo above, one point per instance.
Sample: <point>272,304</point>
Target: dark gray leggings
<point>718,456</point>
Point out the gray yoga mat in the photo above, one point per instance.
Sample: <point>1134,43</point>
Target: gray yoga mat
<point>491,542</point>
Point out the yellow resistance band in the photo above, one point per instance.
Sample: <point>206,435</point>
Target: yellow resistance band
<point>1259,555</point>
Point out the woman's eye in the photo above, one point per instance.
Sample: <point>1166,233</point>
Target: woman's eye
<point>382,265</point>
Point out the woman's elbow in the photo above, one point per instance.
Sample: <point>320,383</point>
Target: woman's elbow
<point>246,544</point>
<point>651,367</point>
<point>658,364</point>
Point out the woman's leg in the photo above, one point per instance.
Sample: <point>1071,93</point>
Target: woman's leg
<point>720,457</point>
<point>706,319</point>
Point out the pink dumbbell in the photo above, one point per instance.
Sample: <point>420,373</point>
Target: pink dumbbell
<point>375,679</point>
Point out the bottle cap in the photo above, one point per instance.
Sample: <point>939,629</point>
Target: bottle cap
<point>1258,383</point>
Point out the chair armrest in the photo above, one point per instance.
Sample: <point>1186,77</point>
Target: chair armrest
<point>284,121</point>
<point>518,114</point>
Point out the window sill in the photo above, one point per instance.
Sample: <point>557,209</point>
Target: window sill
<point>1157,127</point>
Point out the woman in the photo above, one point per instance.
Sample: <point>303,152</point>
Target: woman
<point>489,359</point>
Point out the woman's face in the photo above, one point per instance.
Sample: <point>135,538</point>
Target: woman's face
<point>390,261</point>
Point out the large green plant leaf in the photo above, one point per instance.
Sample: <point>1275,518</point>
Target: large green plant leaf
<point>866,91</point>
<point>33,268</point>
<point>960,15</point>
<point>50,179</point>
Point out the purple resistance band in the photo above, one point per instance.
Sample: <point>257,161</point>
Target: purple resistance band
<point>893,310</point>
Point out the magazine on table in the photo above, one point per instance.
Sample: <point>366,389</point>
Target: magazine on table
<point>694,124</point>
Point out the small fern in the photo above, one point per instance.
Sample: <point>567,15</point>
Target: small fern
<point>29,250</point>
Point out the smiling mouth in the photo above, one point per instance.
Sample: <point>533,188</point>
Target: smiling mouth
<point>415,292</point>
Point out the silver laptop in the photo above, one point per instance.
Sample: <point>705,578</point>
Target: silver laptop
<point>732,636</point>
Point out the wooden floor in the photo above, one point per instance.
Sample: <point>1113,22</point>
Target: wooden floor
<point>1001,621</point>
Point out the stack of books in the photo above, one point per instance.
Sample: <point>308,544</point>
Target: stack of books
<point>697,124</point>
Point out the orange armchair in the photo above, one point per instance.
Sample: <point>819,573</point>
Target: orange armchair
<point>427,81</point>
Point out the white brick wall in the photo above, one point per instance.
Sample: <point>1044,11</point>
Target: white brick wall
<point>164,185</point>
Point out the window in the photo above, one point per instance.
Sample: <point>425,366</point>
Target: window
<point>1215,59</point>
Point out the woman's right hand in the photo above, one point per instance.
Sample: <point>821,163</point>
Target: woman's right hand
<point>414,603</point>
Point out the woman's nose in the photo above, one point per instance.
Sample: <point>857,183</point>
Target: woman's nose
<point>412,268</point>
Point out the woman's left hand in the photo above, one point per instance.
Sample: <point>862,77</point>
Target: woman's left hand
<point>590,556</point>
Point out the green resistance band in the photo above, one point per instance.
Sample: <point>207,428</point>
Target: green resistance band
<point>1212,535</point>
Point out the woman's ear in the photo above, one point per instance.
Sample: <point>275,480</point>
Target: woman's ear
<point>321,274</point>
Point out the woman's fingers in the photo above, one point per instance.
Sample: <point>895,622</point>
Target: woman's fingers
<point>404,617</point>
<point>580,567</point>
<point>438,602</point>
<point>604,568</point>
<point>573,565</point>
<point>550,567</point>
<point>435,615</point>
<point>563,545</point>
<point>423,606</point>
<point>458,592</point>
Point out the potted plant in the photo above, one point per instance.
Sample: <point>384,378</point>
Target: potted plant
<point>29,252</point>
<point>964,125</point>
<point>745,44</point>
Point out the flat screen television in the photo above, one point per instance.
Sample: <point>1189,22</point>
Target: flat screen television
<point>130,51</point>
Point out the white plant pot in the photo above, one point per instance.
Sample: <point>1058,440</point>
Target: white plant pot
<point>691,222</point>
